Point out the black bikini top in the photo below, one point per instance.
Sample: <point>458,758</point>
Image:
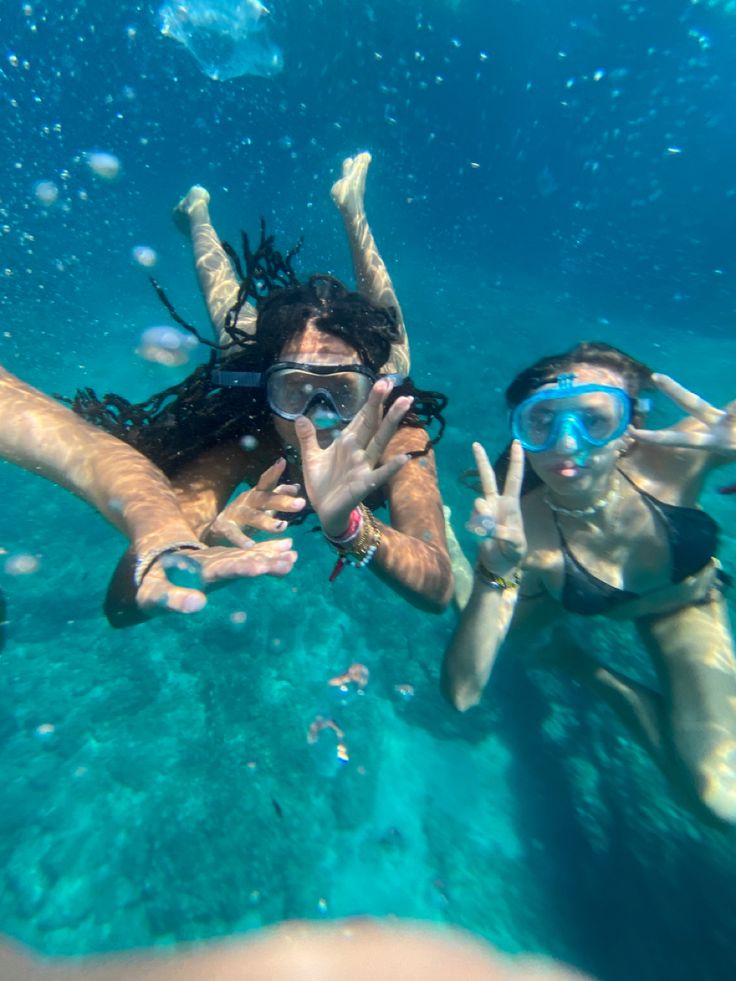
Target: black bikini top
<point>693,539</point>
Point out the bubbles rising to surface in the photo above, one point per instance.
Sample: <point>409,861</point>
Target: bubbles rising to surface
<point>228,38</point>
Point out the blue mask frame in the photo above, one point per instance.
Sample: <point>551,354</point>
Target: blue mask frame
<point>570,423</point>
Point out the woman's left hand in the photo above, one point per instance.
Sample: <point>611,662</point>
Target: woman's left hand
<point>717,433</point>
<point>338,477</point>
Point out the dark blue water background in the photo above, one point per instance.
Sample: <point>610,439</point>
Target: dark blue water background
<point>542,172</point>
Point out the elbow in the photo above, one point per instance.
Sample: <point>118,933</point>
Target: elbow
<point>463,700</point>
<point>461,696</point>
<point>431,596</point>
<point>441,596</point>
<point>437,603</point>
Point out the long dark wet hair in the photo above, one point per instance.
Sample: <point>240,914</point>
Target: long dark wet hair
<point>636,375</point>
<point>178,424</point>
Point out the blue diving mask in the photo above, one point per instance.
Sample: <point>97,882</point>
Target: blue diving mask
<point>590,414</point>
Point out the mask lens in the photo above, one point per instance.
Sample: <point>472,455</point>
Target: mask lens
<point>290,391</point>
<point>536,425</point>
<point>600,418</point>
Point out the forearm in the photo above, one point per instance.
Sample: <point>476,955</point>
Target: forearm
<point>138,499</point>
<point>471,654</point>
<point>200,505</point>
<point>41,436</point>
<point>418,571</point>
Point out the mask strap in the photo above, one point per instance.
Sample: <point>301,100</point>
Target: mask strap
<point>566,380</point>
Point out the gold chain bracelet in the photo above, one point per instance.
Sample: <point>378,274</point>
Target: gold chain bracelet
<point>493,581</point>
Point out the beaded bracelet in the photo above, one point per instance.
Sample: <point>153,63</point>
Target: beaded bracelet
<point>493,581</point>
<point>144,563</point>
<point>359,550</point>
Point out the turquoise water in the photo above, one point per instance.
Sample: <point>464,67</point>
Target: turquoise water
<point>158,784</point>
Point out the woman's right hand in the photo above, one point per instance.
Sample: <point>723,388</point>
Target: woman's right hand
<point>497,517</point>
<point>338,477</point>
<point>208,568</point>
<point>254,509</point>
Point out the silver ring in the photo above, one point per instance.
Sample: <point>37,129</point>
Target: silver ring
<point>482,525</point>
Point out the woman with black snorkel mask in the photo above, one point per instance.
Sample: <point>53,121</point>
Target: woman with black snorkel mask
<point>605,522</point>
<point>303,390</point>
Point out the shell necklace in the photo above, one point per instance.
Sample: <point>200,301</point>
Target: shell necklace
<point>591,509</point>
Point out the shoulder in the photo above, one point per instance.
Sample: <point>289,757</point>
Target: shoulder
<point>670,473</point>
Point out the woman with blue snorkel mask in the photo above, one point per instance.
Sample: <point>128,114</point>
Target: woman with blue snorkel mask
<point>305,387</point>
<point>599,516</point>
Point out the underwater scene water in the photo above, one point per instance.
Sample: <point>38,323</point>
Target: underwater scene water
<point>543,172</point>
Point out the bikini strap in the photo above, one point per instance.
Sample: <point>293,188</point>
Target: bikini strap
<point>650,500</point>
<point>630,481</point>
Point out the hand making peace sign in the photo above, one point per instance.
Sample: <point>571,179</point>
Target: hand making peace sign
<point>718,434</point>
<point>498,516</point>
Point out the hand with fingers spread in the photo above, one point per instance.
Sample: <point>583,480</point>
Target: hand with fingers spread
<point>717,432</point>
<point>206,569</point>
<point>339,477</point>
<point>254,510</point>
<point>498,516</point>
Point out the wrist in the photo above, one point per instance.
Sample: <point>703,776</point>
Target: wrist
<point>350,531</point>
<point>497,563</point>
<point>335,523</point>
<point>162,536</point>
<point>359,548</point>
<point>509,579</point>
<point>145,561</point>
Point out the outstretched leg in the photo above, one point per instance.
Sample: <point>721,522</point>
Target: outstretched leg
<point>371,274</point>
<point>217,281</point>
<point>640,709</point>
<point>692,649</point>
<point>689,730</point>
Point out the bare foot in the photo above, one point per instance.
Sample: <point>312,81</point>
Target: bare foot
<point>349,191</point>
<point>195,198</point>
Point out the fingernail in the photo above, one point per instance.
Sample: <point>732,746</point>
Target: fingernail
<point>194,603</point>
<point>281,525</point>
<point>298,503</point>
